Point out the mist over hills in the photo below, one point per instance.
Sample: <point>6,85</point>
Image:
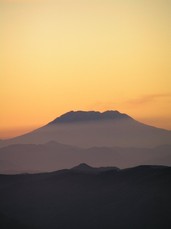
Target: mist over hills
<point>99,139</point>
<point>86,197</point>
<point>89,129</point>
<point>32,158</point>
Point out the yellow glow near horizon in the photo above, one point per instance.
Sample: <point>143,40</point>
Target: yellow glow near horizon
<point>83,55</point>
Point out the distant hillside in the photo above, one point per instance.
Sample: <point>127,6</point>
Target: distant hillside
<point>88,198</point>
<point>32,158</point>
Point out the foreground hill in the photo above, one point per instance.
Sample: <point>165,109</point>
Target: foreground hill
<point>88,129</point>
<point>85,197</point>
<point>32,158</point>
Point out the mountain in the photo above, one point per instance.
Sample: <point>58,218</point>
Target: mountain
<point>84,168</point>
<point>89,129</point>
<point>82,116</point>
<point>73,198</point>
<point>35,158</point>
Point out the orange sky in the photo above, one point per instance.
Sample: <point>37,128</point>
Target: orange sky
<point>58,56</point>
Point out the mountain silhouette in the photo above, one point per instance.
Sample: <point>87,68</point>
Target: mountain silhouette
<point>85,116</point>
<point>89,129</point>
<point>83,167</point>
<point>133,198</point>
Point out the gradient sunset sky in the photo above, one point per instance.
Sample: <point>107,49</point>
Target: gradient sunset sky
<point>59,55</point>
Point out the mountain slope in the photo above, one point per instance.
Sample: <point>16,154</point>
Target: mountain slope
<point>88,129</point>
<point>73,199</point>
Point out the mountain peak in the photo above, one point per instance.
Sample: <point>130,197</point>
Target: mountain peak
<point>82,166</point>
<point>84,116</point>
